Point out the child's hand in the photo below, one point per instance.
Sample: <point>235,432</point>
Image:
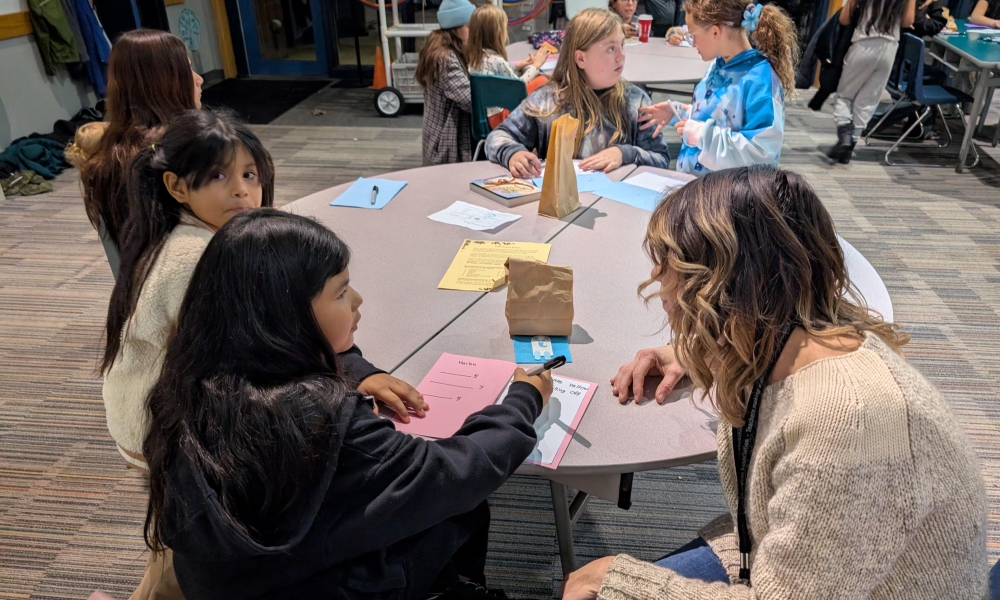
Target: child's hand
<point>521,64</point>
<point>542,383</point>
<point>524,165</point>
<point>679,126</point>
<point>656,114</point>
<point>538,59</point>
<point>398,395</point>
<point>606,160</point>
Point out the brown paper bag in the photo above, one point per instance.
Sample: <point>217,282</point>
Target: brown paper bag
<point>559,193</point>
<point>539,298</point>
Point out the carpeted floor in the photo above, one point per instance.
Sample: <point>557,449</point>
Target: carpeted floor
<point>71,514</point>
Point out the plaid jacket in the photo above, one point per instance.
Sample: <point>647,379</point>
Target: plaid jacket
<point>520,131</point>
<point>447,134</point>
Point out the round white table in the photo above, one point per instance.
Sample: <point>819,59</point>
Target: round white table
<point>398,257</point>
<point>655,62</point>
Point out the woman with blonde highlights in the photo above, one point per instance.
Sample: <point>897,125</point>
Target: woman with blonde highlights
<point>587,83</point>
<point>845,472</point>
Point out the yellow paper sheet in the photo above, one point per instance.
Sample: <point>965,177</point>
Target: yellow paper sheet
<point>478,266</point>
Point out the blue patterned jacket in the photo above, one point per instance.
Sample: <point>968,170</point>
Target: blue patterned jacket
<point>737,117</point>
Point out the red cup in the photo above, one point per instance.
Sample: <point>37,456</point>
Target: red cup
<point>645,24</point>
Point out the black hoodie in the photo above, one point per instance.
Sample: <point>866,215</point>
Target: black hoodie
<point>372,527</point>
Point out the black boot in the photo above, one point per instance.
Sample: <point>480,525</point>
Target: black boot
<point>845,144</point>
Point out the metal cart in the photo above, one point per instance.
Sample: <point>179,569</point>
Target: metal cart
<point>401,83</point>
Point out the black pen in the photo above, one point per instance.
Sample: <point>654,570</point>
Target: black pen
<point>551,364</point>
<point>374,194</point>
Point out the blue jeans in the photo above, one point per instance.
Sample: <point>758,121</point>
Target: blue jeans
<point>695,560</point>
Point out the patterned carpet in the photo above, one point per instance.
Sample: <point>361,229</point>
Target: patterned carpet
<point>71,514</point>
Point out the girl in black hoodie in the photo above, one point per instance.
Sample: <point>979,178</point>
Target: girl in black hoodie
<point>270,477</point>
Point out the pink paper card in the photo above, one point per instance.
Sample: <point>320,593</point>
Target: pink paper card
<point>456,387</point>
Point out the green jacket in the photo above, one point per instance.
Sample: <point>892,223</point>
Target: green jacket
<point>55,38</point>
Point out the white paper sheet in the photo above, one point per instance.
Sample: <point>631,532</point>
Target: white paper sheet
<point>473,217</point>
<point>652,181</point>
<point>559,419</point>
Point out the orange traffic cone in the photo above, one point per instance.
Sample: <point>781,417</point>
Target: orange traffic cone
<point>379,80</point>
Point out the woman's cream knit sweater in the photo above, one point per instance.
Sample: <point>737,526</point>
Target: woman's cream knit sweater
<point>144,337</point>
<point>862,485</point>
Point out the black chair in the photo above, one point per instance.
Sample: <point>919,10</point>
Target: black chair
<point>929,97</point>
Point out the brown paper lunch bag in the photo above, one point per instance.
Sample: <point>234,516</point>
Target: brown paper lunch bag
<point>559,192</point>
<point>539,298</point>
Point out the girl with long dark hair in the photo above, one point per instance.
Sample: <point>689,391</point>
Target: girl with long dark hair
<point>867,65</point>
<point>271,475</point>
<point>150,82</point>
<point>205,168</point>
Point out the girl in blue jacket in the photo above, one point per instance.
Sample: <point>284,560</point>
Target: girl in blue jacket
<point>737,115</point>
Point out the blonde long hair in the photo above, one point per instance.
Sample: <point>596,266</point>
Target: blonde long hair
<point>487,31</point>
<point>775,37</point>
<point>752,249</point>
<point>573,94</point>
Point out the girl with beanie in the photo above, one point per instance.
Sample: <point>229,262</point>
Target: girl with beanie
<point>443,73</point>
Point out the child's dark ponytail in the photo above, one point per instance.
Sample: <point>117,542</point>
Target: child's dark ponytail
<point>194,146</point>
<point>777,38</point>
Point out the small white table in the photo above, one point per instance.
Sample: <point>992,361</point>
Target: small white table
<point>655,62</point>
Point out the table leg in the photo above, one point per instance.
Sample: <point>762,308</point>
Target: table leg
<point>564,528</point>
<point>970,128</point>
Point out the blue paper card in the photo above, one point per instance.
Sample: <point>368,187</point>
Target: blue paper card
<point>585,182</point>
<point>530,349</point>
<point>632,195</point>
<point>359,195</point>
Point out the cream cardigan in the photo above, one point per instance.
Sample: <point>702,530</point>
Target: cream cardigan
<point>862,485</point>
<point>144,337</point>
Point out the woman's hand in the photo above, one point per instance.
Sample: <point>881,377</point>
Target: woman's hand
<point>398,395</point>
<point>651,361</point>
<point>538,58</point>
<point>656,114</point>
<point>525,165</point>
<point>631,30</point>
<point>542,382</point>
<point>606,160</point>
<point>585,583</point>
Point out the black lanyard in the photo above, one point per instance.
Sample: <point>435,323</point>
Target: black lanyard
<point>743,442</point>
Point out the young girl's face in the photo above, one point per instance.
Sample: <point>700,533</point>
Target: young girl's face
<point>704,38</point>
<point>233,189</point>
<point>336,310</point>
<point>625,9</point>
<point>603,62</point>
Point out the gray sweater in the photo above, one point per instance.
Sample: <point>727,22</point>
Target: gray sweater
<point>521,131</point>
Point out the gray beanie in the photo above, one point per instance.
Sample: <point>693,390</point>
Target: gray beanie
<point>454,13</point>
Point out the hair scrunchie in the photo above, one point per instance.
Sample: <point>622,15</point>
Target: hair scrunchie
<point>751,16</point>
